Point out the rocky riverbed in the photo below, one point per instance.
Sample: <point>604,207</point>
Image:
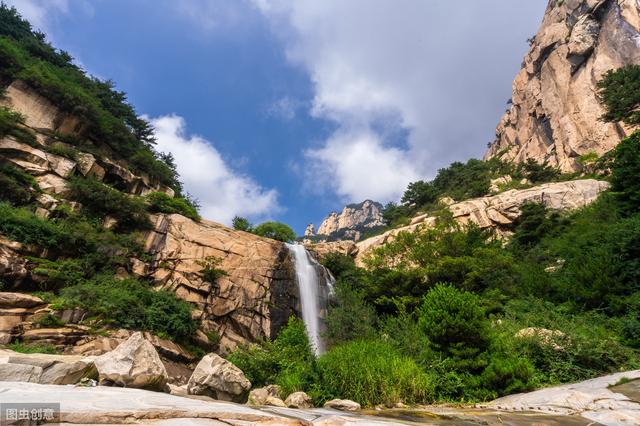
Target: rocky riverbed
<point>609,400</point>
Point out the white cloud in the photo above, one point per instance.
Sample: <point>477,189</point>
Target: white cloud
<point>358,166</point>
<point>39,12</point>
<point>211,15</point>
<point>442,69</point>
<point>222,192</point>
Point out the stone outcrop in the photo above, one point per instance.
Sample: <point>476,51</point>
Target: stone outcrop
<point>352,221</point>
<point>497,211</point>
<point>555,112</point>
<point>595,399</point>
<point>218,378</point>
<point>14,309</point>
<point>45,368</point>
<point>134,363</point>
<point>251,302</point>
<point>310,231</point>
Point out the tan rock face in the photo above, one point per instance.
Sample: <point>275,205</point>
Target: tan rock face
<point>353,219</point>
<point>254,299</point>
<point>554,115</point>
<point>498,211</point>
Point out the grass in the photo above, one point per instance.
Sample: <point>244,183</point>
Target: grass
<point>31,348</point>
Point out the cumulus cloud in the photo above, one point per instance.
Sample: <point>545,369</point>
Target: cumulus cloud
<point>222,192</point>
<point>441,69</point>
<point>39,12</point>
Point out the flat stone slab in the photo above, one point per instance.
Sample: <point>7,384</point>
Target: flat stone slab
<point>596,399</point>
<point>101,404</point>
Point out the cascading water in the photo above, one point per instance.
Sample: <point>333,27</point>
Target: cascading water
<point>315,284</point>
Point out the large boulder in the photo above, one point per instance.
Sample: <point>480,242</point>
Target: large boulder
<point>218,378</point>
<point>134,363</point>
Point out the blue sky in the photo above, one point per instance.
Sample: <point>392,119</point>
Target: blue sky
<point>287,110</point>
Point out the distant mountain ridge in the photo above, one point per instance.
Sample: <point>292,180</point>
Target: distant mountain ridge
<point>351,224</point>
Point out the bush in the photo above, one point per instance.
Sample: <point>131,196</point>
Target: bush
<point>12,124</point>
<point>275,230</point>
<point>20,224</point>
<point>241,224</point>
<point>625,176</point>
<point>210,270</point>
<point>131,304</point>
<point>451,318</point>
<point>159,202</point>
<point>371,373</point>
<point>16,186</point>
<point>98,200</point>
<point>349,316</point>
<point>619,90</point>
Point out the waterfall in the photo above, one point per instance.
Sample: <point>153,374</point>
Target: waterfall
<point>315,284</point>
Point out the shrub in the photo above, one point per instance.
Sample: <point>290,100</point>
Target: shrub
<point>275,230</point>
<point>370,373</point>
<point>131,304</point>
<point>210,270</point>
<point>241,224</point>
<point>12,124</point>
<point>625,176</point>
<point>98,199</point>
<point>17,186</point>
<point>507,374</point>
<point>452,318</point>
<point>619,90</point>
<point>535,221</point>
<point>21,225</point>
<point>159,202</point>
<point>29,348</point>
<point>349,316</point>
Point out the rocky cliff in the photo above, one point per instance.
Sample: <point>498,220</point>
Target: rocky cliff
<point>554,113</point>
<point>250,302</point>
<point>498,212</point>
<point>352,222</point>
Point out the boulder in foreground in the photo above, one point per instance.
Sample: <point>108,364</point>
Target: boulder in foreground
<point>218,378</point>
<point>134,363</point>
<point>342,405</point>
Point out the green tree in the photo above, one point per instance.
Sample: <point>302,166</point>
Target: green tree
<point>452,318</point>
<point>241,224</point>
<point>625,177</point>
<point>619,90</point>
<point>275,230</point>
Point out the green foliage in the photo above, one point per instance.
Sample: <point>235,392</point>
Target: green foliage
<point>12,124</point>
<point>26,348</point>
<point>159,202</point>
<point>16,186</point>
<point>131,304</point>
<point>619,90</point>
<point>98,199</point>
<point>288,361</point>
<point>50,320</point>
<point>625,178</point>
<point>275,230</point>
<point>451,318</point>
<point>20,224</point>
<point>210,269</point>
<point>349,317</point>
<point>535,221</point>
<point>371,373</point>
<point>537,172</point>
<point>26,56</point>
<point>241,224</point>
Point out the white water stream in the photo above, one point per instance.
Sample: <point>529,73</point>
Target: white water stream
<point>315,284</point>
